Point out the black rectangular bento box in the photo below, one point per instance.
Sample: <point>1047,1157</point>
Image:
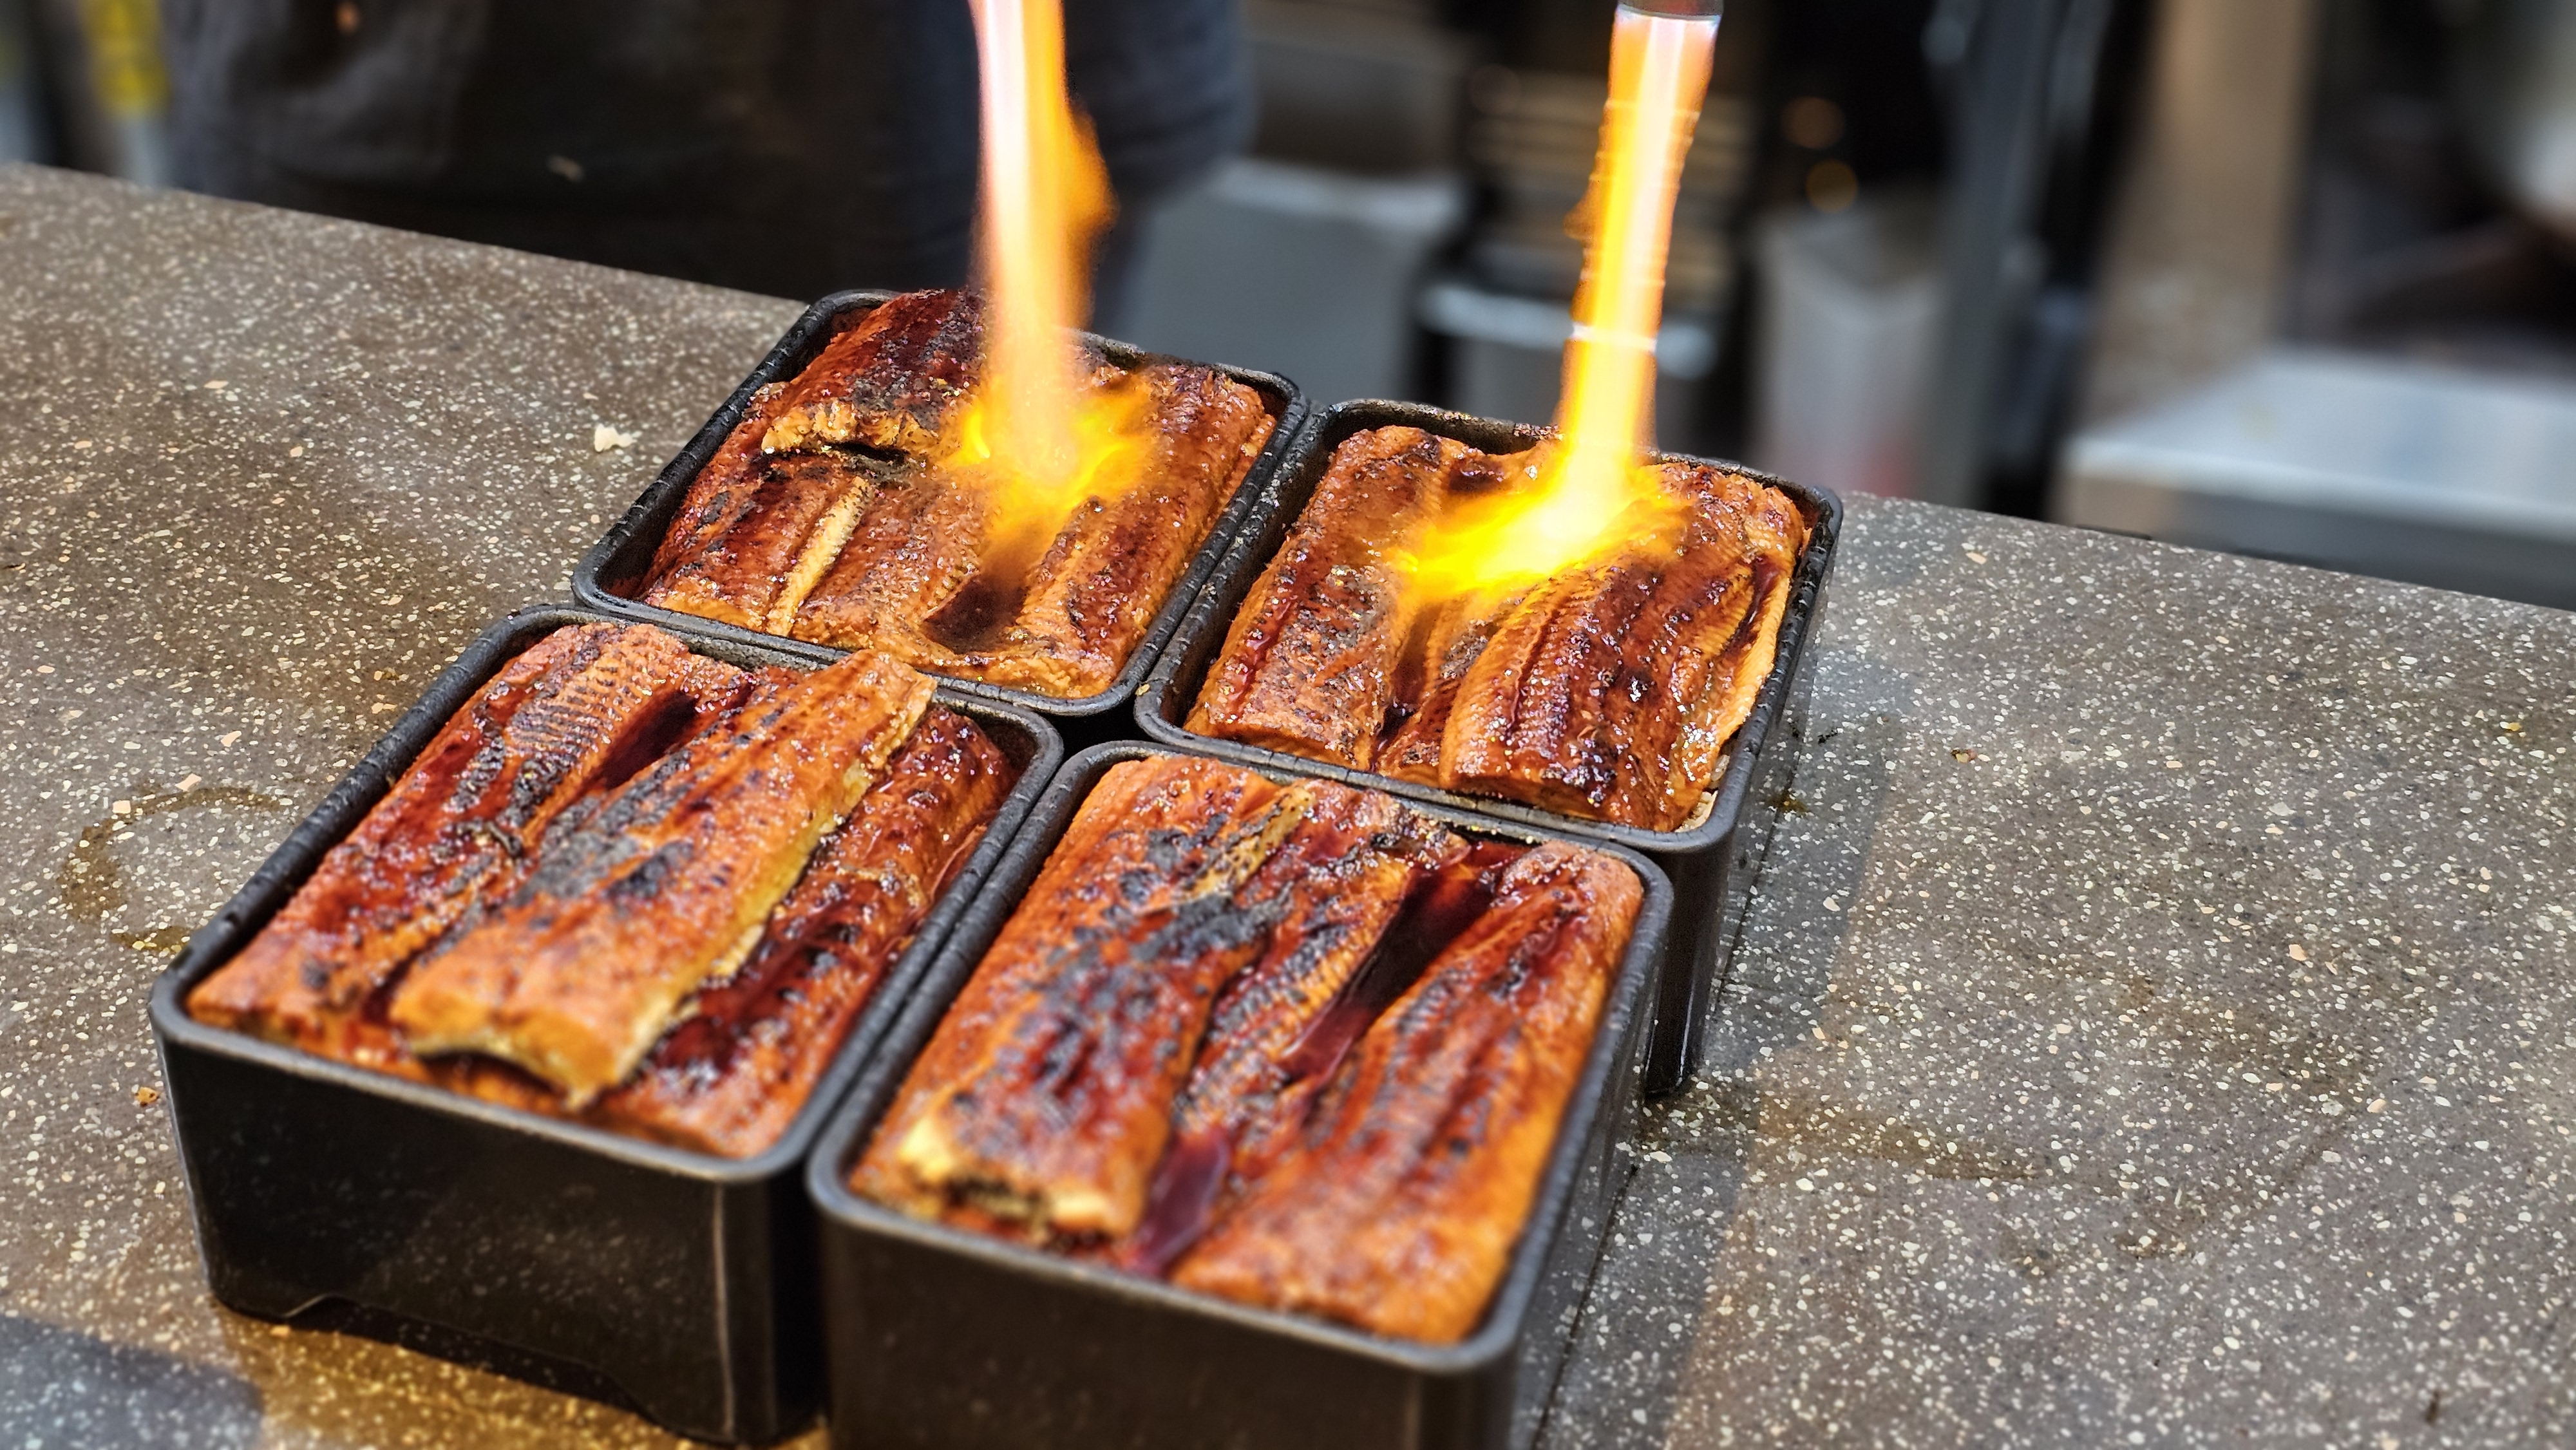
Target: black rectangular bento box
<point>683,1279</point>
<point>940,1337</point>
<point>1711,863</point>
<point>618,562</point>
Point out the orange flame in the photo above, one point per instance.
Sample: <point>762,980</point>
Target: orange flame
<point>1589,493</point>
<point>1033,429</point>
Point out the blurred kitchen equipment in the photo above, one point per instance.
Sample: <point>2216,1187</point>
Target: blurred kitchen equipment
<point>1308,253</point>
<point>1507,357</point>
<point>1848,320</point>
<point>1350,86</point>
<point>103,58</point>
<point>1502,314</point>
<point>22,98</point>
<point>1312,271</point>
<point>2455,478</point>
<point>2325,343</point>
<point>2513,80</point>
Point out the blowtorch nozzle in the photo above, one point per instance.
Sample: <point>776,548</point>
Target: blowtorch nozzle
<point>1677,9</point>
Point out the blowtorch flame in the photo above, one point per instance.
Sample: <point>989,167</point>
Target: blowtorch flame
<point>1589,494</point>
<point>1046,196</point>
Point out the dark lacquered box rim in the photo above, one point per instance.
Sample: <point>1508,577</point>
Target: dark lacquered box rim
<point>1159,708</point>
<point>296,858</point>
<point>1616,1046</point>
<point>636,533</point>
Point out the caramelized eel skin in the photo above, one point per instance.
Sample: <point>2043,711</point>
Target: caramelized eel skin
<point>730,1077</point>
<point>1447,645</point>
<point>1582,701</point>
<point>1043,1100</point>
<point>725,492</point>
<point>891,381</point>
<point>456,829</point>
<point>1328,895</point>
<point>1399,1210</point>
<point>1309,662</point>
<point>792,514</point>
<point>1091,596</point>
<point>771,510</point>
<point>1608,691</point>
<point>664,884</point>
<point>1775,534</point>
<point>790,532</point>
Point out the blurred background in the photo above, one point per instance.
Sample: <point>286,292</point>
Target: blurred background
<point>2294,278</point>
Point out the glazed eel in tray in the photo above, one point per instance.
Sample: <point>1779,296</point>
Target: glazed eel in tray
<point>849,507</point>
<point>1297,1045</point>
<point>630,884</point>
<point>1607,691</point>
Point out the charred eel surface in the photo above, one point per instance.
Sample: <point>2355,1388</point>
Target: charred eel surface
<point>662,885</point>
<point>893,380</point>
<point>1310,661</point>
<point>1044,1098</point>
<point>1180,1056</point>
<point>1607,691</point>
<point>731,1075</point>
<point>847,509</point>
<point>581,705</point>
<point>1092,597</point>
<point>1399,1210</point>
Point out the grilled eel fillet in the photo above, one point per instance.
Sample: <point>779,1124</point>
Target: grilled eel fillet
<point>1043,1100</point>
<point>579,705</point>
<point>1584,697</point>
<point>1331,896</point>
<point>664,884</point>
<point>1309,662</point>
<point>1399,1210</point>
<point>1446,645</point>
<point>892,381</point>
<point>730,1077</point>
<point>1089,599</point>
<point>789,517</point>
<point>768,514</point>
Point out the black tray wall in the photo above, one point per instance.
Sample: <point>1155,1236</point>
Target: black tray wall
<point>684,1279</point>
<point>944,1338</point>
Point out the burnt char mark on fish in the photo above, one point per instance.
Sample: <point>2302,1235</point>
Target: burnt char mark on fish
<point>578,706</point>
<point>1578,704</point>
<point>1398,1211</point>
<point>892,380</point>
<point>730,1077</point>
<point>1310,660</point>
<point>664,884</point>
<point>1525,720</point>
<point>1451,641</point>
<point>910,551</point>
<point>1372,891</point>
<point>722,493</point>
<point>797,511</point>
<point>1044,1097</point>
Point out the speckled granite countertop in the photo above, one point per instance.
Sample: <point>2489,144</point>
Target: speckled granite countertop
<point>2154,1023</point>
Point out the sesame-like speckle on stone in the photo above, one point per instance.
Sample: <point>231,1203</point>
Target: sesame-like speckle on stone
<point>261,476</point>
<point>2155,1027</point>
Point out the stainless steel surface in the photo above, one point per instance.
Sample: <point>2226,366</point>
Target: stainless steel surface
<point>2385,466</point>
